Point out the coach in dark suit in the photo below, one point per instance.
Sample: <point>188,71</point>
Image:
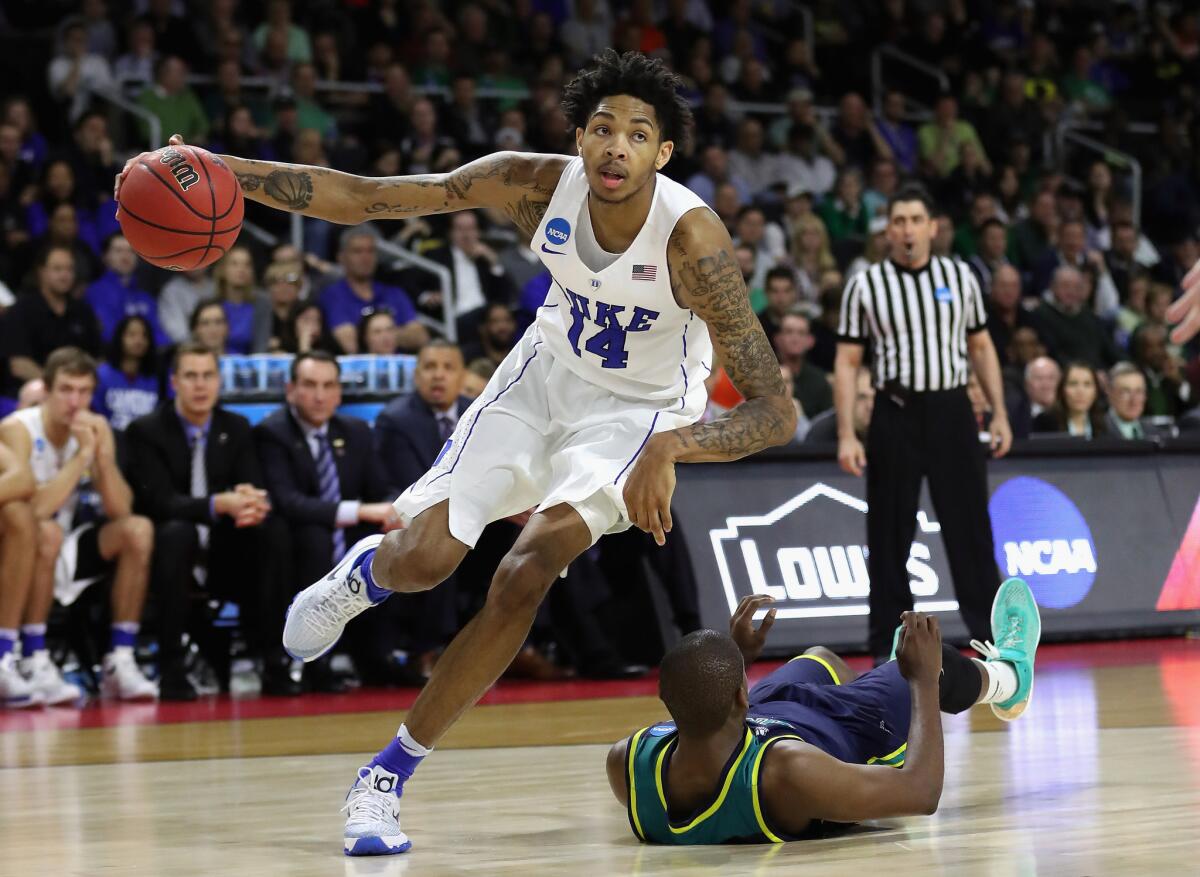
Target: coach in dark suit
<point>409,434</point>
<point>195,474</point>
<point>319,471</point>
<point>411,430</point>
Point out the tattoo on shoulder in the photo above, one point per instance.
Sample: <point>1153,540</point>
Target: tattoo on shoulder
<point>527,213</point>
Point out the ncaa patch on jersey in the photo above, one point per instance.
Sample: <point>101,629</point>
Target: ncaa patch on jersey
<point>558,230</point>
<point>942,294</point>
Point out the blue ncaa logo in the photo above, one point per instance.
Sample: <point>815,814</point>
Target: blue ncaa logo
<point>558,230</point>
<point>1041,537</point>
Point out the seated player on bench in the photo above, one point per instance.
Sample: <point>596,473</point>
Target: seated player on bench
<point>812,742</point>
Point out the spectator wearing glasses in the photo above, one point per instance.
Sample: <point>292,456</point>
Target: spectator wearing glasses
<point>1127,401</point>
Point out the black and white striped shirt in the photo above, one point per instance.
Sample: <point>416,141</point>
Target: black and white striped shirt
<point>918,321</point>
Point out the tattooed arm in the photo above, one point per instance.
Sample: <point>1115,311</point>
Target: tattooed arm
<point>706,279</point>
<point>519,183</point>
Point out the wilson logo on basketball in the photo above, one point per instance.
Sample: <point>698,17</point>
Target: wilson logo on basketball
<point>183,172</point>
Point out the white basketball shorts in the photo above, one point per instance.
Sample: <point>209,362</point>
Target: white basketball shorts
<point>539,435</point>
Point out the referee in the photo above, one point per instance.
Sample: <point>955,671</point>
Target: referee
<point>926,322</point>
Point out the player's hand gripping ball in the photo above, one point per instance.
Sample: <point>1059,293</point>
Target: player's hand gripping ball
<point>180,207</point>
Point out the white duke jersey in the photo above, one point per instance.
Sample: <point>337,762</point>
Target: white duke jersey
<point>620,328</point>
<point>46,460</point>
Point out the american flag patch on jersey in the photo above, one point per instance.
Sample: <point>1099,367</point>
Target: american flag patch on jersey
<point>645,272</point>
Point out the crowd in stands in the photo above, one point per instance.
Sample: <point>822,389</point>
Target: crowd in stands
<point>792,149</point>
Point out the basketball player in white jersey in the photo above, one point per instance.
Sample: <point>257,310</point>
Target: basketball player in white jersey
<point>18,543</point>
<point>64,444</point>
<point>586,418</point>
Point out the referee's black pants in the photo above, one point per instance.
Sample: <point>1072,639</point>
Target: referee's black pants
<point>934,435</point>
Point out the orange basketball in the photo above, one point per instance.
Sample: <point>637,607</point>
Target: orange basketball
<point>181,208</point>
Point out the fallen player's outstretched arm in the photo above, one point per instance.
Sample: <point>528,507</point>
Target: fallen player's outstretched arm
<point>519,183</point>
<point>706,279</point>
<point>799,780</point>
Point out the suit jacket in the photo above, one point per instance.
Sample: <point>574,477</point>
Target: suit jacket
<point>291,472</point>
<point>162,463</point>
<point>496,287</point>
<point>407,441</point>
<point>1149,430</point>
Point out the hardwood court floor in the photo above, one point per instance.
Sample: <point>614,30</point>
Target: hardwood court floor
<point>1102,776</point>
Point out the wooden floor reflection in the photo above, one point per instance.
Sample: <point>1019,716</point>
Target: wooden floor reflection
<point>1102,776</point>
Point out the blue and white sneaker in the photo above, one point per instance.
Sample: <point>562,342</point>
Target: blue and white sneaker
<point>373,823</point>
<point>1017,629</point>
<point>319,613</point>
<point>16,692</point>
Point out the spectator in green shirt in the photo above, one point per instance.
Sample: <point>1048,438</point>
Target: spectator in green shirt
<point>941,141</point>
<point>279,17</point>
<point>845,214</point>
<point>174,103</point>
<point>309,113</point>
<point>1079,87</point>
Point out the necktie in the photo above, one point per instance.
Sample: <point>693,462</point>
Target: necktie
<point>445,427</point>
<point>200,491</point>
<point>331,491</point>
<point>199,481</point>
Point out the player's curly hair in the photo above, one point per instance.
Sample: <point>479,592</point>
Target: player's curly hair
<point>634,74</point>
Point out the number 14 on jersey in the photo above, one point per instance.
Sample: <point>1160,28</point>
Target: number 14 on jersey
<point>608,342</point>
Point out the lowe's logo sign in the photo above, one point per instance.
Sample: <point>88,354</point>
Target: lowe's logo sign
<point>798,554</point>
<point>1041,537</point>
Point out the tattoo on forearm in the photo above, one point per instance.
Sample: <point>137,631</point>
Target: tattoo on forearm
<point>380,207</point>
<point>249,182</point>
<point>292,189</point>
<point>712,287</point>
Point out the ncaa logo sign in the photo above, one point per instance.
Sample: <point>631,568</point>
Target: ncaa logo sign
<point>558,230</point>
<point>1041,537</point>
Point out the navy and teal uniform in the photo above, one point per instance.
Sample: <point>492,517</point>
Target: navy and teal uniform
<point>863,722</point>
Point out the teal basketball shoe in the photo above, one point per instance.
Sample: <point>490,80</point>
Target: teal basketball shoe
<point>1016,629</point>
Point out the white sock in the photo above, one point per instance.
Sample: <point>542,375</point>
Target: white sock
<point>411,746</point>
<point>1001,680</point>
